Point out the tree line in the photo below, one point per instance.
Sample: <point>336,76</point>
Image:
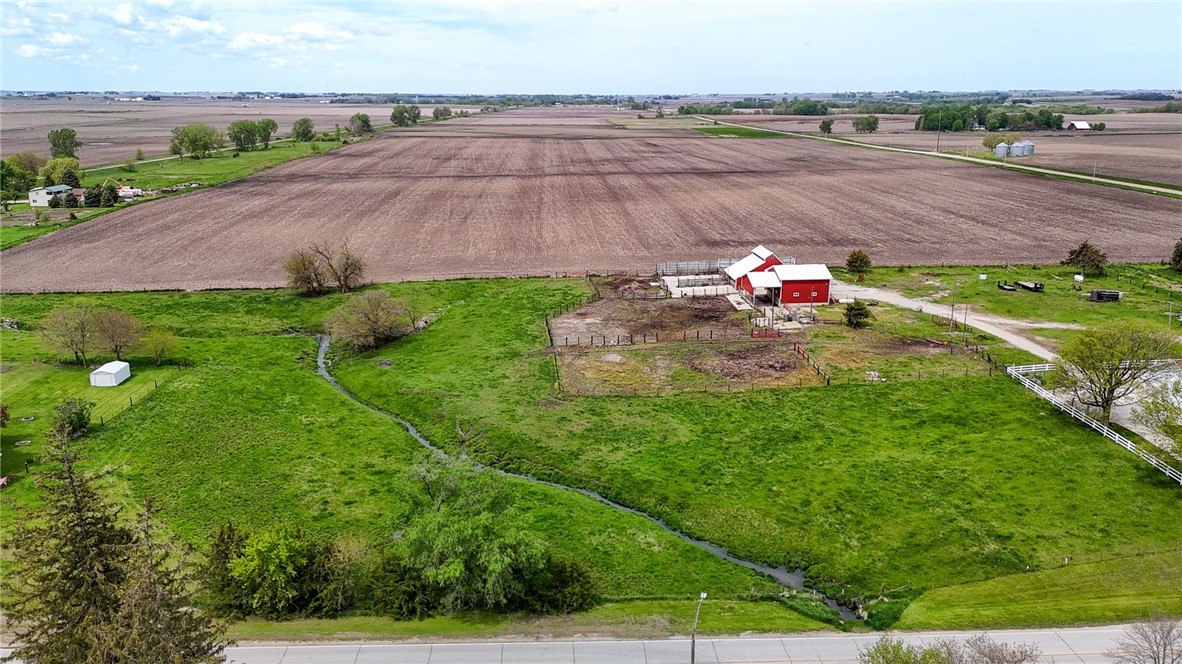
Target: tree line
<point>783,107</point>
<point>81,329</point>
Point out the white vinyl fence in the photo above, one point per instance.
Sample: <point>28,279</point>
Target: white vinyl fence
<point>1019,373</point>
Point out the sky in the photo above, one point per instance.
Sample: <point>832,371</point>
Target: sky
<point>589,47</point>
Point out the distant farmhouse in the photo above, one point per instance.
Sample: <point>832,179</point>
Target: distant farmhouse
<point>41,196</point>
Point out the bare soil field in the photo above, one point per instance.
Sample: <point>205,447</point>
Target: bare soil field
<point>111,132</point>
<point>843,123</point>
<point>435,207</point>
<point>1156,157</point>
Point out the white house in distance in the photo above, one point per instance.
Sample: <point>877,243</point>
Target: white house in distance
<point>110,374</point>
<point>40,196</point>
<point>1075,125</point>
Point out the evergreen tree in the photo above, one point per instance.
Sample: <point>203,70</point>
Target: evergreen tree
<point>70,177</point>
<point>155,621</point>
<point>68,566</point>
<point>1176,258</point>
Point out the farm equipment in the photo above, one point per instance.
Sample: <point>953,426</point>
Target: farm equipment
<point>1032,286</point>
<point>1104,296</point>
<point>1005,286</point>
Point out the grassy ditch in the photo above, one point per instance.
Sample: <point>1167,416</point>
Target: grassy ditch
<point>741,132</point>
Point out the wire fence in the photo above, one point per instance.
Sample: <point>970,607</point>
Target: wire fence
<point>708,334</point>
<point>675,268</point>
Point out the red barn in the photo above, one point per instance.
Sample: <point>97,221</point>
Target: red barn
<point>802,284</point>
<point>759,260</point>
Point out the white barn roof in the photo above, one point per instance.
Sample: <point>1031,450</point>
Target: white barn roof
<point>762,251</point>
<point>111,368</point>
<point>806,272</point>
<point>745,265</point>
<point>764,279</point>
<point>1079,124</point>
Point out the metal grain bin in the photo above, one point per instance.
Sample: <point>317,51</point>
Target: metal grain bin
<point>1001,150</point>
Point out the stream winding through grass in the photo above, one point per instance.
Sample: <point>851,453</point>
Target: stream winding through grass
<point>791,579</point>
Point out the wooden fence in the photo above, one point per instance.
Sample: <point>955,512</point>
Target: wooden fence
<point>796,346</point>
<point>711,334</point>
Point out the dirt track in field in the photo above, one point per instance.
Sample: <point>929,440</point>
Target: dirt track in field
<point>429,207</point>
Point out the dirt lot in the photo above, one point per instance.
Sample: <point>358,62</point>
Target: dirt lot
<point>613,320</point>
<point>111,132</point>
<point>428,207</point>
<point>732,365</point>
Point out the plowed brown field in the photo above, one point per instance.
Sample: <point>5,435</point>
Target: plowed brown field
<point>439,206</point>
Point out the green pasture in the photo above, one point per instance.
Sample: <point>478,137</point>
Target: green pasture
<point>639,619</point>
<point>899,487</point>
<point>741,132</point>
<point>1149,290</point>
<point>1107,591</point>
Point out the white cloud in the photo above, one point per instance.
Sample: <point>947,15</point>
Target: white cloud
<point>309,29</point>
<point>60,16</point>
<point>130,68</point>
<point>160,3</point>
<point>121,13</point>
<point>63,39</point>
<point>32,51</point>
<point>256,40</point>
<point>179,24</point>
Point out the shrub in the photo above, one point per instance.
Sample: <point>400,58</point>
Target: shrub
<point>71,417</point>
<point>305,272</point>
<point>160,342</point>
<point>1176,257</point>
<point>857,314</point>
<point>369,320</point>
<point>857,261</point>
<point>562,586</point>
<point>267,570</point>
<point>1088,258</point>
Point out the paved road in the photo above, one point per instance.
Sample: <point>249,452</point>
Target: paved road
<point>1155,189</point>
<point>1085,645</point>
<point>999,327</point>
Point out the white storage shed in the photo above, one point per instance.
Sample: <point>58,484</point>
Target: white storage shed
<point>110,374</point>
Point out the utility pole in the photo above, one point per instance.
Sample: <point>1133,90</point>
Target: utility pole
<point>694,629</point>
<point>952,311</point>
<point>939,127</point>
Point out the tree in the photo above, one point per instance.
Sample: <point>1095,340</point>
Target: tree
<point>27,161</point>
<point>441,113</point>
<point>827,126</point>
<point>139,154</point>
<point>344,267</point>
<point>303,130</point>
<point>64,142</point>
<point>69,563</point>
<point>110,196</point>
<point>466,535</point>
<point>1161,411</point>
<point>54,169</point>
<point>370,319</point>
<point>155,621</point>
<point>70,178</point>
<point>857,261</point>
<point>15,178</point>
<point>264,130</point>
<point>958,125</point>
<point>1104,364</point>
<point>93,197</point>
<point>70,329</point>
<point>160,342</point>
<point>1176,257</point>
<point>1099,126</point>
<point>243,133</point>
<point>1154,641</point>
<point>224,595</point>
<point>305,272</point>
<point>117,331</point>
<point>857,315</point>
<point>997,139</point>
<point>71,417</point>
<point>198,140</point>
<point>979,649</point>
<point>359,124</point>
<point>268,570</point>
<point>866,125</point>
<point>69,200</point>
<point>401,116</point>
<point>3,416</point>
<point>1088,257</point>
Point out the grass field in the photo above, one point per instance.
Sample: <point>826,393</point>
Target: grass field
<point>916,484</point>
<point>1120,590</point>
<point>1149,289</point>
<point>250,433</point>
<point>740,132</point>
<point>981,479</point>
<point>641,619</point>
